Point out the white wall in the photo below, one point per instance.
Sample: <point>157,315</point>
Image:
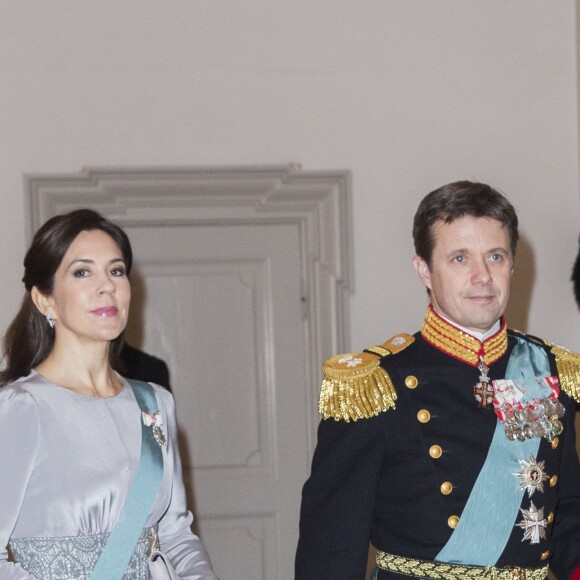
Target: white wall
<point>407,94</point>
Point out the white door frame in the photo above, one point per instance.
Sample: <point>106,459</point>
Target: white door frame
<point>319,202</point>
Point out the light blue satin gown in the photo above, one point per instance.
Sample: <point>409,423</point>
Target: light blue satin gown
<point>67,464</point>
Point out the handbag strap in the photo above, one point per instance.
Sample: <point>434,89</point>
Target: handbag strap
<point>120,546</point>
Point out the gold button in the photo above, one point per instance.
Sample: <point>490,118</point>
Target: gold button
<point>553,480</point>
<point>424,416</point>
<point>446,487</point>
<point>452,522</point>
<point>411,382</point>
<point>551,517</point>
<point>435,451</point>
<point>555,442</point>
<point>545,555</point>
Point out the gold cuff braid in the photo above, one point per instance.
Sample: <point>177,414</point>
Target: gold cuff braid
<point>442,571</point>
<point>568,365</point>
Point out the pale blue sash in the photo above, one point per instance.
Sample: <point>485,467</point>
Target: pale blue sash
<point>118,550</point>
<point>490,513</point>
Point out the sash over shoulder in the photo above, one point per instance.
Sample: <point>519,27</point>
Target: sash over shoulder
<point>567,364</point>
<point>355,386</point>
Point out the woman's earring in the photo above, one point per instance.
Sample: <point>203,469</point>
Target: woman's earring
<point>51,321</point>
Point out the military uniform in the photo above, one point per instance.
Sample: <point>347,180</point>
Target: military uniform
<point>404,443</point>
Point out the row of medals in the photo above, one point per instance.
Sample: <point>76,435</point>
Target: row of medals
<point>542,419</point>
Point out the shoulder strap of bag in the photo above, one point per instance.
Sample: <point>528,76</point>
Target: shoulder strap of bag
<point>120,546</point>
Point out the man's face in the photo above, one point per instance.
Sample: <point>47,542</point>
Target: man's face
<point>470,272</point>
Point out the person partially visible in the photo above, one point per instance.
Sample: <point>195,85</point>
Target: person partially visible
<point>76,435</point>
<point>576,288</point>
<point>576,279</point>
<point>452,450</point>
<point>140,365</point>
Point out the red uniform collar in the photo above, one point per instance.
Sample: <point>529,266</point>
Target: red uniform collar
<point>449,339</point>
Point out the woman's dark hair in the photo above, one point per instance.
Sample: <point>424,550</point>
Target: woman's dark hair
<point>29,338</point>
<point>456,200</point>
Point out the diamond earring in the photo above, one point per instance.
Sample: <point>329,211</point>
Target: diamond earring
<point>51,321</point>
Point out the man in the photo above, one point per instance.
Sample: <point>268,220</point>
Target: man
<point>451,450</point>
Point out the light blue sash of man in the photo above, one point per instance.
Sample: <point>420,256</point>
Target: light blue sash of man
<point>120,546</point>
<point>493,506</point>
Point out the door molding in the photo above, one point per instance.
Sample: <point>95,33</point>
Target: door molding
<point>319,202</point>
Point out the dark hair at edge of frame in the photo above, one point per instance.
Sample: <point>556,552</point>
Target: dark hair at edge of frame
<point>576,277</point>
<point>29,339</point>
<point>456,200</point>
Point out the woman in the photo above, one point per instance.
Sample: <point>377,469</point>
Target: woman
<point>71,426</point>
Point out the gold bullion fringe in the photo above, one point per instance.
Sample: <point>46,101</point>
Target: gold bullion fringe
<point>568,365</point>
<point>358,397</point>
<point>441,571</point>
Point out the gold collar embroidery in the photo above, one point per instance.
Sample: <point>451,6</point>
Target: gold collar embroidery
<point>460,345</point>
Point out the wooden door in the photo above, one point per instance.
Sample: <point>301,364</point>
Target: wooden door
<point>223,307</point>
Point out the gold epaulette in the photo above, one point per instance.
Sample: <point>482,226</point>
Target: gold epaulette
<point>355,386</point>
<point>568,365</point>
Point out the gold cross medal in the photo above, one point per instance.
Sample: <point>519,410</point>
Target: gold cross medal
<point>483,391</point>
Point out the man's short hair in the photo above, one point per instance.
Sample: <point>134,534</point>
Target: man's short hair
<point>456,200</point>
